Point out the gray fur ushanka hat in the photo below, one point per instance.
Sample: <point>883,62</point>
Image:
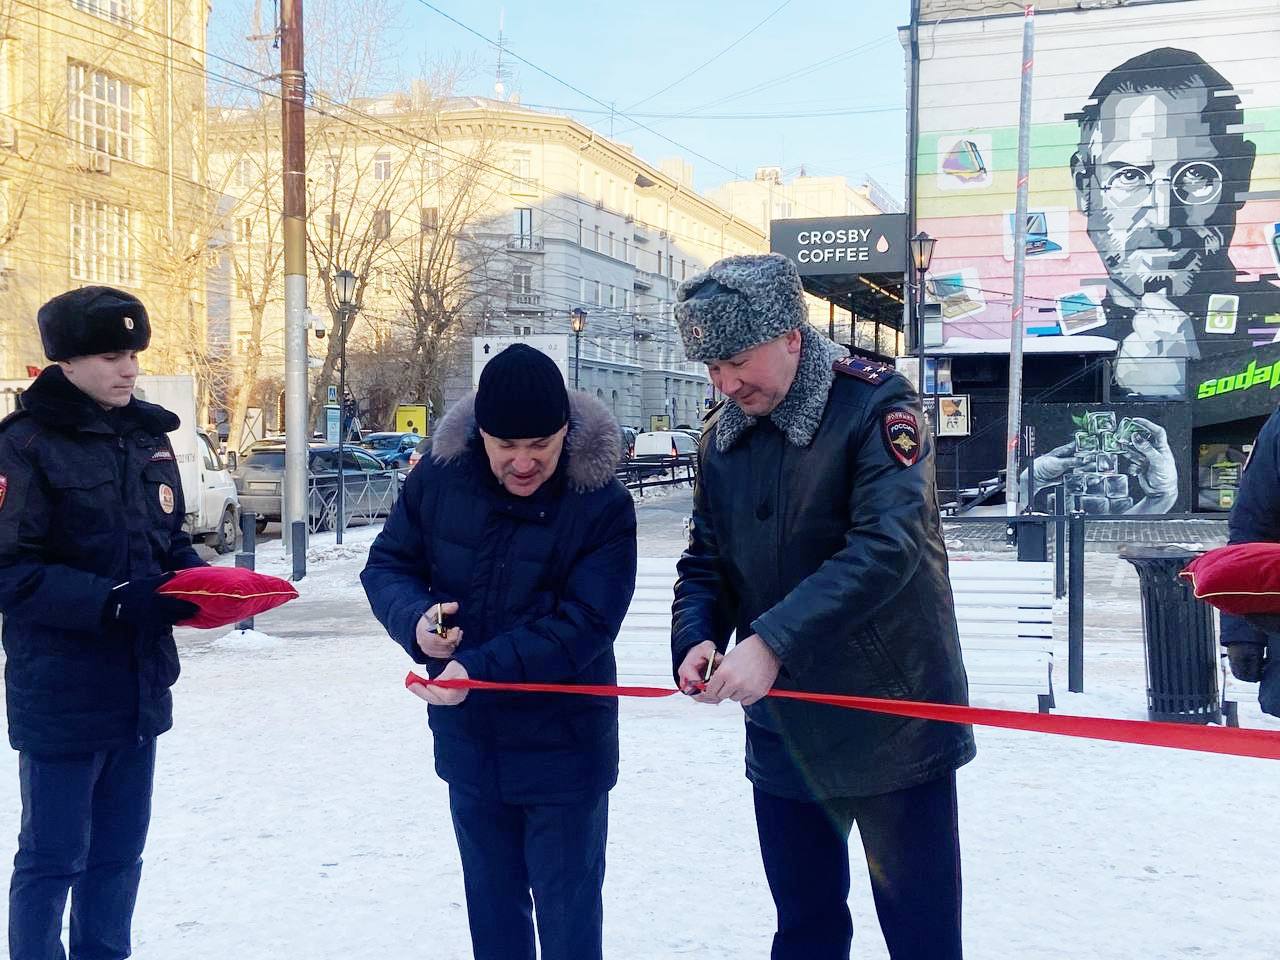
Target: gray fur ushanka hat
<point>739,303</point>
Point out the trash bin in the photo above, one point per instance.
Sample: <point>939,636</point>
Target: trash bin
<point>1177,632</point>
<point>1032,536</point>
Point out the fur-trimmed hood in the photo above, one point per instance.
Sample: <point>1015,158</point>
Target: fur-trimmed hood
<point>800,412</point>
<point>591,450</point>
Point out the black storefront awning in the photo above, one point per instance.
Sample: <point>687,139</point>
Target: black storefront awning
<point>857,263</point>
<point>1236,386</point>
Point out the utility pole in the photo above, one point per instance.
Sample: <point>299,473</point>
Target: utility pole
<point>293,87</point>
<point>1011,486</point>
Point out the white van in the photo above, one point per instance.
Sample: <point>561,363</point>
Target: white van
<point>665,443</point>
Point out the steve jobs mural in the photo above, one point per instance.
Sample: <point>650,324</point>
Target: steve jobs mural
<point>1160,175</point>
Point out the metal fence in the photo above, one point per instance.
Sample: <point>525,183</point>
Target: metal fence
<point>648,472</point>
<point>368,496</point>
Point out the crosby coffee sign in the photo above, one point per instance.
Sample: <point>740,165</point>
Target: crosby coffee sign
<point>849,245</point>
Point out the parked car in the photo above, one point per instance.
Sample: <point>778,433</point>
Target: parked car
<point>393,449</point>
<point>417,453</point>
<point>629,435</point>
<point>665,443</point>
<point>370,484</point>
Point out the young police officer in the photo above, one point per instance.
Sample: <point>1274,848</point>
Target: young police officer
<point>90,525</point>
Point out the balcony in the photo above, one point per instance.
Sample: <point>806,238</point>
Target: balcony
<point>524,243</point>
<point>525,303</point>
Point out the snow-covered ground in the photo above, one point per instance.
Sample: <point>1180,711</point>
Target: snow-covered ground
<point>297,814</point>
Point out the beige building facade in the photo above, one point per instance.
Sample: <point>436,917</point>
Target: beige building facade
<point>102,168</point>
<point>547,218</point>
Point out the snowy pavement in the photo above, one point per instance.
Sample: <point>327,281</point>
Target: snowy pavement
<point>297,814</point>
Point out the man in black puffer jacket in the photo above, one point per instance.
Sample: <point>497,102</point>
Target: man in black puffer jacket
<point>815,536</point>
<point>91,518</point>
<point>514,532</point>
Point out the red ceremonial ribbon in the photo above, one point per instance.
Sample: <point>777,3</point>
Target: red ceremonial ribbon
<point>1232,741</point>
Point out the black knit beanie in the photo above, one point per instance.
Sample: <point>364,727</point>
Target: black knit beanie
<point>521,395</point>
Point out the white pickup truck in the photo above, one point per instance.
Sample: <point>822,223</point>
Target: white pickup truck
<point>213,509</point>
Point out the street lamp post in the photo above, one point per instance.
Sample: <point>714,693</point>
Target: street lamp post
<point>579,323</point>
<point>344,283</point>
<point>921,256</point>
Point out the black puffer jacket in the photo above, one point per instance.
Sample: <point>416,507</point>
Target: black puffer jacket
<point>542,582</point>
<point>809,531</point>
<point>84,509</point>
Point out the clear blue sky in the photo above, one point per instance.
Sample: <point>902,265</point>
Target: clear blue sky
<point>835,57</point>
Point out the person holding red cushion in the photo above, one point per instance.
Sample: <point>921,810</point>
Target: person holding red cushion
<point>1253,641</point>
<point>91,518</point>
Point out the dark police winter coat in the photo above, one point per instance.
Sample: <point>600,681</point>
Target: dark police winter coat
<point>808,531</point>
<point>1256,518</point>
<point>543,583</point>
<point>84,510</point>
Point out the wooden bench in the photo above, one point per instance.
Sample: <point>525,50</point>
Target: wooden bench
<point>1004,610</point>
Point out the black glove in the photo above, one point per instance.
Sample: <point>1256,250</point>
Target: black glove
<point>1246,661</point>
<point>137,604</point>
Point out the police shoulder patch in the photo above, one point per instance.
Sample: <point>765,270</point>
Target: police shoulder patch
<point>868,371</point>
<point>901,431</point>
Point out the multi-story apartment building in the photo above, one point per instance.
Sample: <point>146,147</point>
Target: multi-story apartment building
<point>549,218</point>
<point>101,167</point>
<point>769,197</point>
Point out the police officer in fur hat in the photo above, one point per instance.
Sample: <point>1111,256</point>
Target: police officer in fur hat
<point>815,537</point>
<point>511,557</point>
<point>91,516</point>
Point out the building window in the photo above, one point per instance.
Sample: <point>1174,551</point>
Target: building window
<point>335,222</point>
<point>102,243</point>
<point>626,300</point>
<point>382,166</point>
<point>522,166</point>
<point>524,227</point>
<point>381,224</point>
<point>596,243</point>
<point>626,250</point>
<point>244,229</point>
<point>582,289</point>
<point>612,249</point>
<point>523,331</point>
<point>579,231</point>
<point>599,294</point>
<point>430,218</point>
<point>245,172</point>
<point>613,297</point>
<point>684,269</point>
<point>522,279</point>
<point>118,10</point>
<point>100,111</point>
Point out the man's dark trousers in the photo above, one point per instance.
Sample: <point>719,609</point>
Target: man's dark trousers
<point>84,824</point>
<point>554,851</point>
<point>912,844</point>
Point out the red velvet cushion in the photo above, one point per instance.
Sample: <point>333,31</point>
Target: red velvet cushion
<point>1238,578</point>
<point>227,594</point>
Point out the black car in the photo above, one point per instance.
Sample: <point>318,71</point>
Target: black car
<point>370,486</point>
